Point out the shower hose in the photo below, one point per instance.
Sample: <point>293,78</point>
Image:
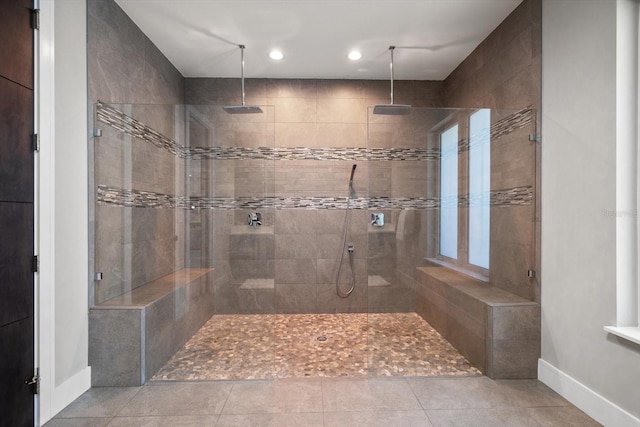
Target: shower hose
<point>347,219</point>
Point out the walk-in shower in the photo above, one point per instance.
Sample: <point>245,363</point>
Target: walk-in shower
<point>179,189</point>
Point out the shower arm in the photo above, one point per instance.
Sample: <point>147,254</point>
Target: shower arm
<point>241,46</point>
<point>243,108</point>
<point>391,48</point>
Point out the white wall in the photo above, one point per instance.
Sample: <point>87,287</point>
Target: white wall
<point>71,200</point>
<point>597,371</point>
<point>63,223</point>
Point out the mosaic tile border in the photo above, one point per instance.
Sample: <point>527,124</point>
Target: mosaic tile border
<point>504,126</point>
<point>518,196</point>
<point>512,122</point>
<point>124,123</point>
<point>121,121</point>
<point>308,153</point>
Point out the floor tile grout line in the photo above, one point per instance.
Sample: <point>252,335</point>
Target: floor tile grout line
<point>115,419</point>
<point>233,385</point>
<point>322,400</point>
<point>415,395</point>
<point>500,408</point>
<point>128,402</point>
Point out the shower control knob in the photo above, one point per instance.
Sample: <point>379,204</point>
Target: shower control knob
<point>377,219</point>
<point>254,219</point>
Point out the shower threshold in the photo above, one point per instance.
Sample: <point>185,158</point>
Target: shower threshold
<point>269,346</point>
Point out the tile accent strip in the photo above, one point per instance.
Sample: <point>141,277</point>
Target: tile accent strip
<point>504,126</point>
<point>121,121</point>
<point>519,196</point>
<point>512,122</point>
<point>307,153</point>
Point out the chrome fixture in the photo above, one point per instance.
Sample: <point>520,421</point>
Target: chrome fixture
<point>242,109</point>
<point>392,109</point>
<point>254,219</point>
<point>351,249</point>
<point>377,219</point>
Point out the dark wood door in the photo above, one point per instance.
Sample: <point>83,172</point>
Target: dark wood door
<point>16,214</point>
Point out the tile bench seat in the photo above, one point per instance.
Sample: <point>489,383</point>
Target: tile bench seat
<point>134,334</point>
<point>497,331</point>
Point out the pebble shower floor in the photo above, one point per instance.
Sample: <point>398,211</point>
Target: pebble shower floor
<point>268,346</point>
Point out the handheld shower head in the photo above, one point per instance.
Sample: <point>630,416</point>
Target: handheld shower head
<point>353,170</point>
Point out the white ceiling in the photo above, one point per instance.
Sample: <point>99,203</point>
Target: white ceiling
<point>201,37</point>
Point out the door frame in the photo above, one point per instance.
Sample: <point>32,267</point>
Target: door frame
<point>44,210</point>
<point>62,283</point>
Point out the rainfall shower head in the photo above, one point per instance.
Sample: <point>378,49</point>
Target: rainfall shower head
<point>392,109</point>
<point>242,109</point>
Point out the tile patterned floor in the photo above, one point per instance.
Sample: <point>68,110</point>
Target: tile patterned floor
<point>230,347</point>
<point>326,402</point>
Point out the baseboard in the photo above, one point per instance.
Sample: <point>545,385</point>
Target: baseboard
<point>70,390</point>
<point>596,406</point>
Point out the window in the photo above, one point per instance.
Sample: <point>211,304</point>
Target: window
<point>627,174</point>
<point>463,225</point>
<point>449,193</point>
<point>479,187</point>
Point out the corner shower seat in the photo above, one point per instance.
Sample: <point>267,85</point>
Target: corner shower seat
<point>134,334</point>
<point>497,331</point>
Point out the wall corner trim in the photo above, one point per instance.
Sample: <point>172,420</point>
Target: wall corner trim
<point>589,401</point>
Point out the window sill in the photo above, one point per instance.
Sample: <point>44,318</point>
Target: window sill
<point>459,269</point>
<point>631,333</point>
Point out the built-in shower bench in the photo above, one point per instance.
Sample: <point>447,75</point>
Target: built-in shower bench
<point>134,334</point>
<point>497,331</point>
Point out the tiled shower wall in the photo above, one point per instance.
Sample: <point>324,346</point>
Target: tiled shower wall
<point>317,130</point>
<point>132,245</point>
<point>503,72</point>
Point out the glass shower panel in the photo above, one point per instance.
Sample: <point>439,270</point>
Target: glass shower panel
<point>452,188</point>
<point>456,187</point>
<point>495,201</point>
<point>513,191</point>
<point>140,210</point>
<point>231,181</point>
<point>400,157</point>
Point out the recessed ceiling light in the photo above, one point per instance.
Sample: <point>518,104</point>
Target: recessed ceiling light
<point>276,55</point>
<point>354,55</point>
